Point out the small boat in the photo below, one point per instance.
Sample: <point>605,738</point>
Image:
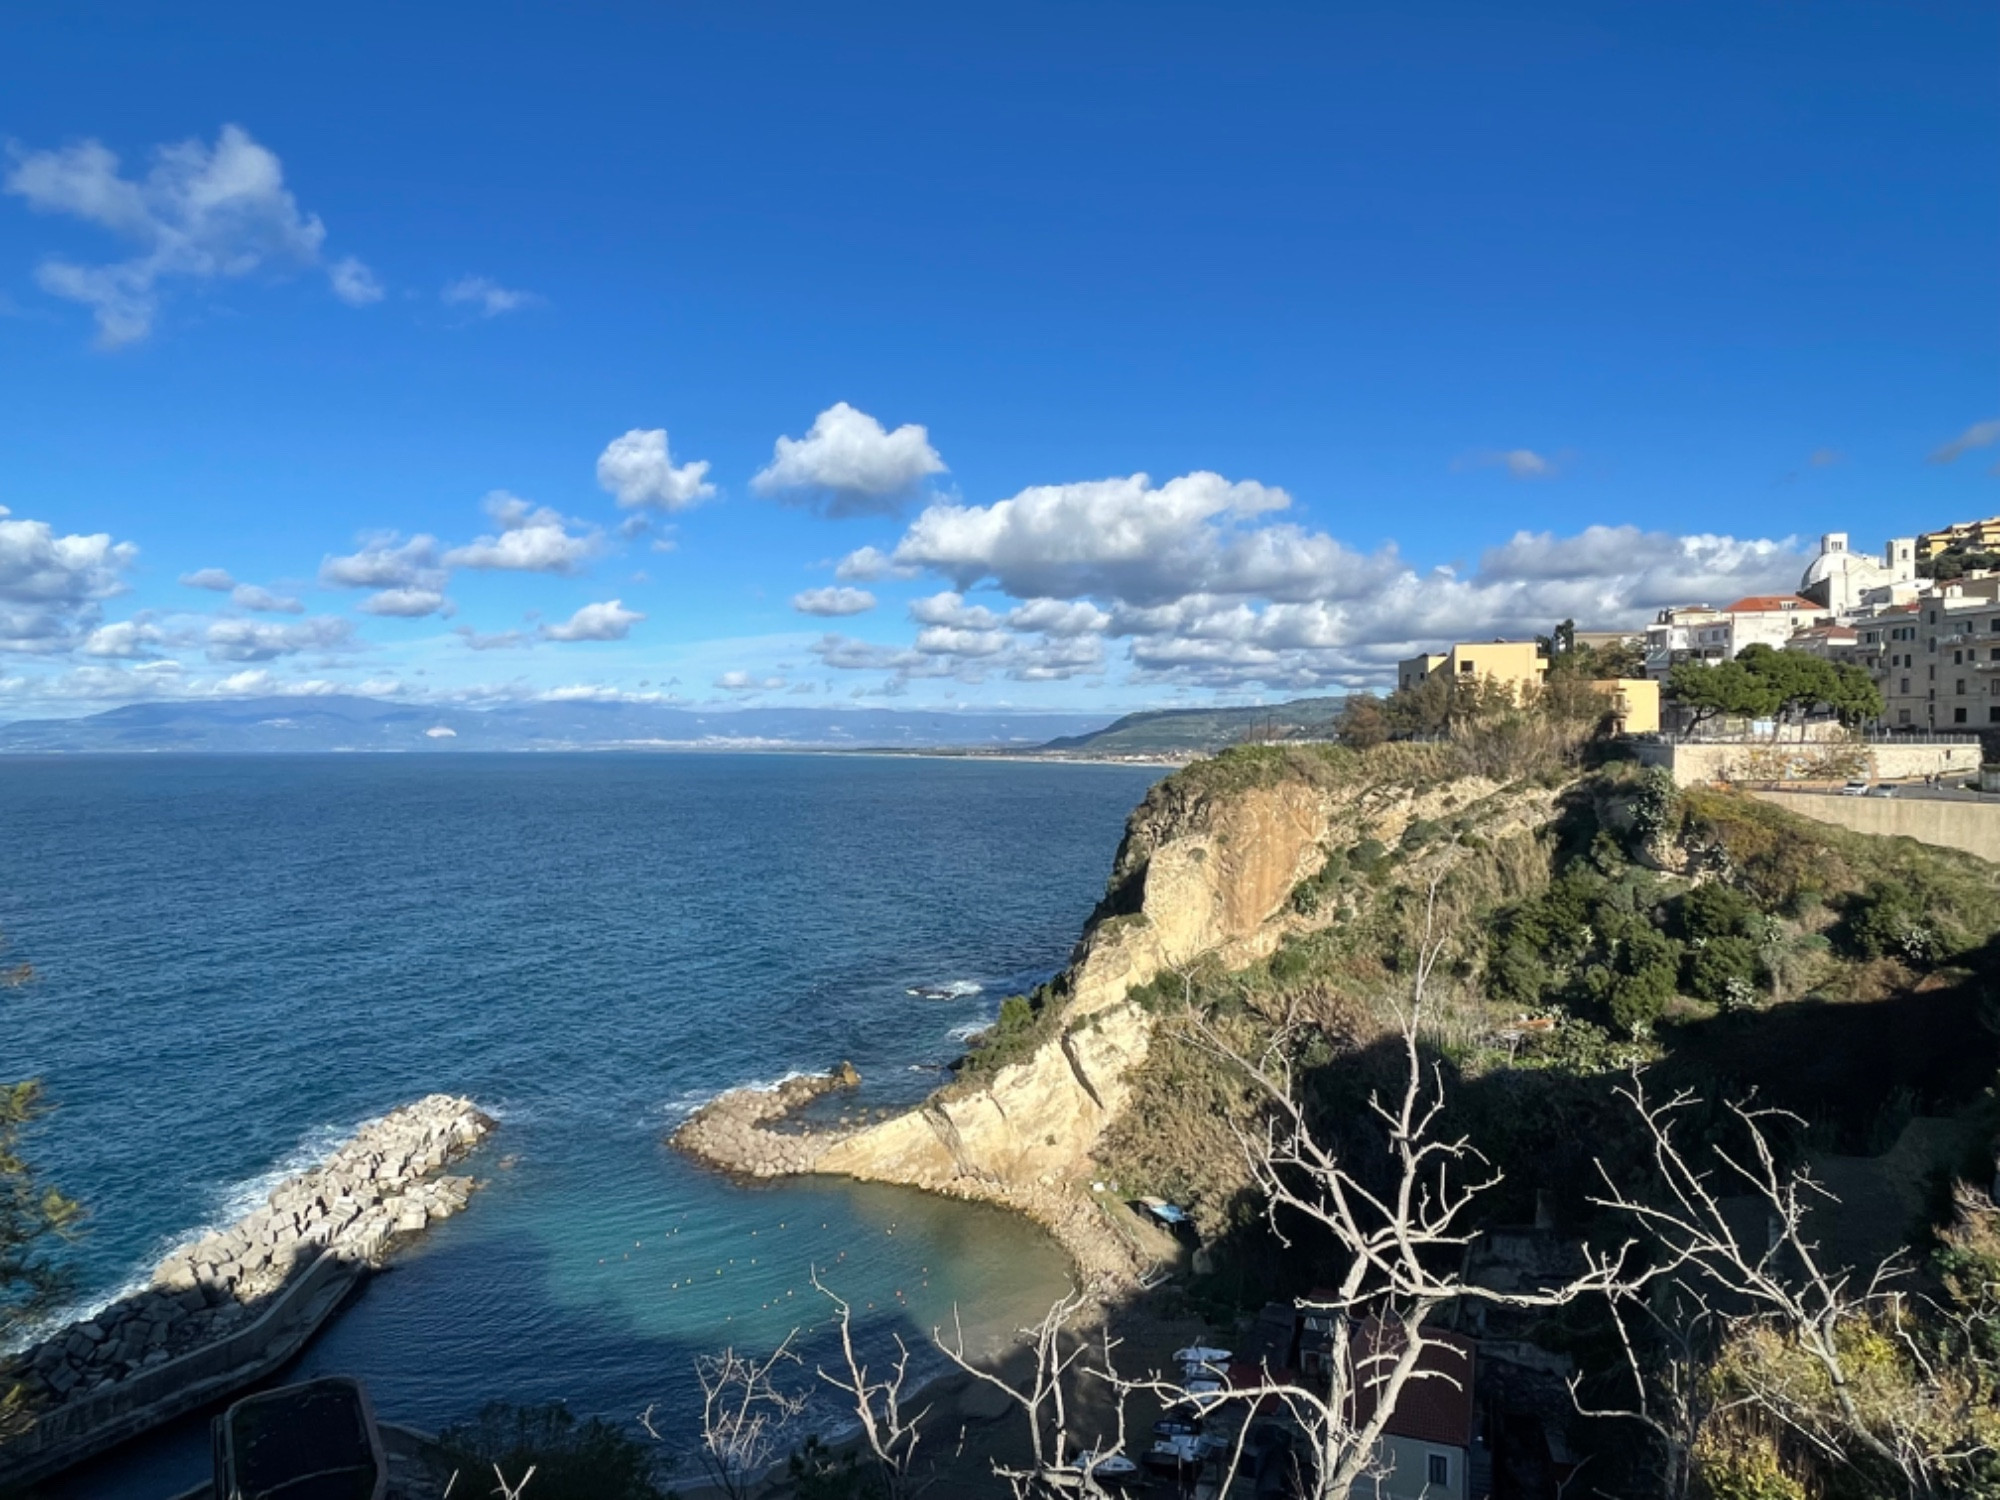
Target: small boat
<point>1107,1467</point>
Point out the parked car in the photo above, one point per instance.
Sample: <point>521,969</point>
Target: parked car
<point>1856,788</point>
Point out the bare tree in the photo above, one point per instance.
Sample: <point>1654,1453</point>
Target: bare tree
<point>892,1434</point>
<point>744,1414</point>
<point>1405,1242</point>
<point>1665,1363</point>
<point>1049,1401</point>
<point>1782,1297</point>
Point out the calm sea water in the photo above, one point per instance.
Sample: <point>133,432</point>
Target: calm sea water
<point>241,959</point>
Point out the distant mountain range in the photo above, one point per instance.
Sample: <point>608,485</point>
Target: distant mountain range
<point>273,725</point>
<point>352,723</point>
<point>1194,730</point>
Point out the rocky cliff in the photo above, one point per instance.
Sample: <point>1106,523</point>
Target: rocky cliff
<point>1207,870</point>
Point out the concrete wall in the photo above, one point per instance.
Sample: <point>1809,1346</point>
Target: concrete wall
<point>78,1430</point>
<point>1971,826</point>
<point>1822,761</point>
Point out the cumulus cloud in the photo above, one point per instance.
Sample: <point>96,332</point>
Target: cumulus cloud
<point>257,640</point>
<point>386,562</point>
<point>201,213</point>
<point>849,465</point>
<point>127,639</point>
<point>486,296</point>
<point>1208,584</point>
<point>638,469</point>
<point>263,601</point>
<point>531,539</point>
<point>833,601</point>
<point>215,579</point>
<point>609,621</point>
<point>51,586</point>
<point>743,682</point>
<point>868,565</point>
<point>406,603</point>
<point>1978,435</point>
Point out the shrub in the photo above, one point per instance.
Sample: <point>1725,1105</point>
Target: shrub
<point>1715,910</point>
<point>1724,970</point>
<point>1892,921</point>
<point>572,1460</point>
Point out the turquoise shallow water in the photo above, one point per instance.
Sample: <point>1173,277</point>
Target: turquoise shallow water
<point>241,959</point>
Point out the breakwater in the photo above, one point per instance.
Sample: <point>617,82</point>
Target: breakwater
<point>382,1185</point>
<point>748,1131</point>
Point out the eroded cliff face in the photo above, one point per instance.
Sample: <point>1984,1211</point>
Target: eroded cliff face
<point>1207,868</point>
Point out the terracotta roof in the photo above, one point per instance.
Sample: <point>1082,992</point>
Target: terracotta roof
<point>1436,1405</point>
<point>1767,604</point>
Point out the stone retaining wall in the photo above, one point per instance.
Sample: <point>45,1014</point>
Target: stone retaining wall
<point>1812,761</point>
<point>379,1186</point>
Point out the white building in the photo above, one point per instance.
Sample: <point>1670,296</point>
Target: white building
<point>1843,581</point>
<point>1698,633</point>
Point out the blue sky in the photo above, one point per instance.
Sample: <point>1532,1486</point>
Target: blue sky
<point>1420,321</point>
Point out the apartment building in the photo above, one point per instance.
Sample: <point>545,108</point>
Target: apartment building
<point>1519,664</point>
<point>1936,660</point>
<point>1966,536</point>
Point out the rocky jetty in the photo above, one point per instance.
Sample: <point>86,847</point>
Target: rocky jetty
<point>382,1185</point>
<point>737,1131</point>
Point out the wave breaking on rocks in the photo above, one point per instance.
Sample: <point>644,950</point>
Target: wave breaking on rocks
<point>377,1188</point>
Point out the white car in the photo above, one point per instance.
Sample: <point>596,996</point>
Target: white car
<point>1856,788</point>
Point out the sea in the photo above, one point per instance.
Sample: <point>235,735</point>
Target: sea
<point>240,959</point>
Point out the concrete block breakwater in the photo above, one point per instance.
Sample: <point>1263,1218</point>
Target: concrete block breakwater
<point>378,1187</point>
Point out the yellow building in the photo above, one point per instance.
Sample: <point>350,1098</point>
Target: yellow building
<point>1519,664</point>
<point>1635,703</point>
<point>1967,536</point>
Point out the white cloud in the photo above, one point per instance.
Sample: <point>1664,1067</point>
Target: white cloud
<point>849,465</point>
<point>639,470</point>
<point>486,296</point>
<point>249,596</point>
<point>384,562</point>
<point>743,682</point>
<point>51,586</point>
<point>200,214</point>
<point>1121,537</point>
<point>532,539</point>
<point>406,603</point>
<point>127,639</point>
<point>1209,586</point>
<point>216,579</point>
<point>1978,435</point>
<point>609,621</point>
<point>255,640</point>
<point>951,609</point>
<point>354,283</point>
<point>833,601</point>
<point>868,564</point>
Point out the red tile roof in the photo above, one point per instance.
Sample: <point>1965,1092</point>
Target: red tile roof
<point>1436,1404</point>
<point>1769,604</point>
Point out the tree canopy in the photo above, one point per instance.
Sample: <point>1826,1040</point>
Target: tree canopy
<point>1762,683</point>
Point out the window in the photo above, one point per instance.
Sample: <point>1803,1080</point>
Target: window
<point>1960,689</point>
<point>1958,716</point>
<point>1993,714</point>
<point>1464,667</point>
<point>1440,1469</point>
<point>1905,687</point>
<point>1902,716</point>
<point>1958,658</point>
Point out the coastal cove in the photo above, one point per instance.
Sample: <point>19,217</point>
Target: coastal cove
<point>241,960</point>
